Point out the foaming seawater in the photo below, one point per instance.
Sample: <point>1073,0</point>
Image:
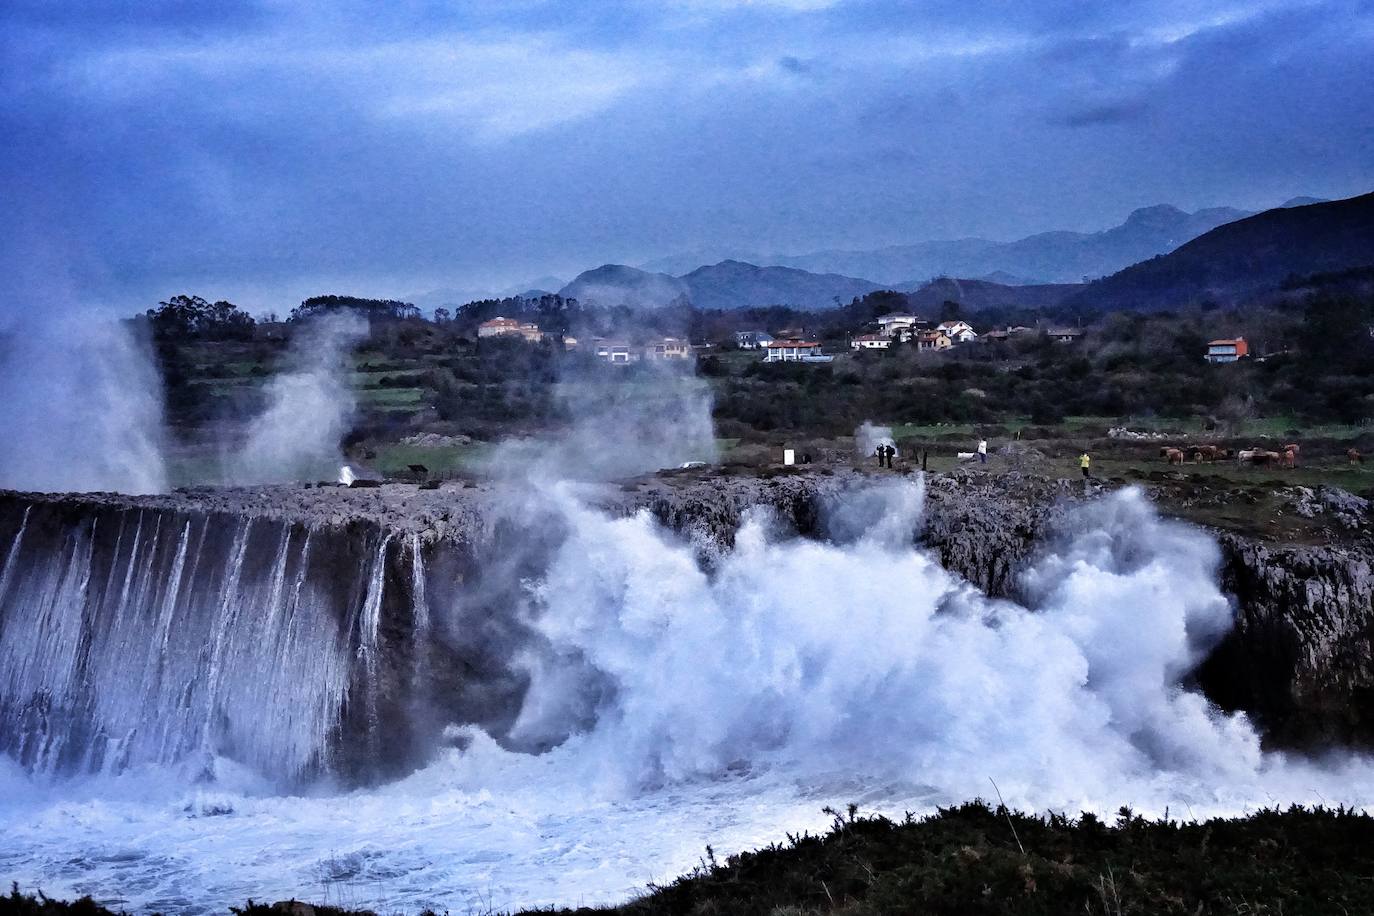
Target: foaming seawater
<point>681,707</point>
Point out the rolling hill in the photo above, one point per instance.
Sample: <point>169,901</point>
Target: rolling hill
<point>735,284</point>
<point>616,284</point>
<point>981,294</point>
<point>1244,258</point>
<point>727,285</point>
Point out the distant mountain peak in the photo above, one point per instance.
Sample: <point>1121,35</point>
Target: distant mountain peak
<point>1158,213</point>
<point>1302,202</point>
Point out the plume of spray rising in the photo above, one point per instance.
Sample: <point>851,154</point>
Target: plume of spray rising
<point>868,437</point>
<point>82,407</point>
<point>659,417</point>
<point>861,658</point>
<point>309,407</point>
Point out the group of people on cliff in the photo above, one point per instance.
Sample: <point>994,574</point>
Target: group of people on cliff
<point>886,452</point>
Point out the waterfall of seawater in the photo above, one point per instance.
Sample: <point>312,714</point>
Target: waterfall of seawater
<point>137,638</point>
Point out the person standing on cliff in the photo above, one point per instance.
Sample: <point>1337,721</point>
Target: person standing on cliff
<point>982,451</point>
<point>1084,462</point>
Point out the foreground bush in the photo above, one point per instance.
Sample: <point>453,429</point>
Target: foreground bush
<point>976,860</point>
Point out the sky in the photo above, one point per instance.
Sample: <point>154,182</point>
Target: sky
<point>267,151</point>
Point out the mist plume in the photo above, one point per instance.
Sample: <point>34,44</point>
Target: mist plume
<point>309,407</point>
<point>83,407</point>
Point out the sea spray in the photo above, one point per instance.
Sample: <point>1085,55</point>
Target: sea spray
<point>660,417</point>
<point>82,409</point>
<point>309,407</point>
<point>866,656</point>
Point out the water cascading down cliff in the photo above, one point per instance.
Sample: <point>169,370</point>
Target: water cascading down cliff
<point>137,637</point>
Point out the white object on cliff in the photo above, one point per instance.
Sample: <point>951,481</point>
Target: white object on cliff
<point>346,476</point>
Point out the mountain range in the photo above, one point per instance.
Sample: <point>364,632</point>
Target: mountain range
<point>1047,257</point>
<point>1244,258</point>
<point>1135,261</point>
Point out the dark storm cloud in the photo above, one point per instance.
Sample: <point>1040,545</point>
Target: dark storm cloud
<point>269,151</point>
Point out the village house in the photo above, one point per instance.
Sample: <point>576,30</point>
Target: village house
<point>1226,350</point>
<point>615,351</point>
<point>668,348</point>
<point>933,340</point>
<point>794,351</point>
<point>752,340</point>
<point>509,327</point>
<point>1065,335</point>
<point>1006,333</point>
<point>957,331</point>
<point>893,323</point>
<point>871,342</point>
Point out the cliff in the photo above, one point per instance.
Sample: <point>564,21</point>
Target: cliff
<point>318,600</point>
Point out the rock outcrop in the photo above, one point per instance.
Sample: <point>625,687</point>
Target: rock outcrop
<point>1301,656</point>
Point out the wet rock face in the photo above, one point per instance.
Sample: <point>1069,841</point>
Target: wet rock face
<point>1301,656</point>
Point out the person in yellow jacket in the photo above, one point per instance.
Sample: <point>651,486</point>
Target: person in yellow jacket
<point>1084,462</point>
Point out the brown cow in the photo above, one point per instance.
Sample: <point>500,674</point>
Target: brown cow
<point>1289,457</point>
<point>1353,456</point>
<point>1174,455</point>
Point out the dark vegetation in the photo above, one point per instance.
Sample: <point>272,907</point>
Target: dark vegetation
<point>974,859</point>
<point>417,374</point>
<point>1318,365</point>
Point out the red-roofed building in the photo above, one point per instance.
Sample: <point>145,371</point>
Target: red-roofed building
<point>1227,350</point>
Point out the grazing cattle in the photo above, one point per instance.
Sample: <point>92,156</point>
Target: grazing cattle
<point>1198,453</point>
<point>1353,456</point>
<point>1288,458</point>
<point>1174,455</point>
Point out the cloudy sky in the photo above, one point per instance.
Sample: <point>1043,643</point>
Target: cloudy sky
<point>267,151</point>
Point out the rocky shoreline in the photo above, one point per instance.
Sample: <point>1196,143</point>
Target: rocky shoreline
<point>1300,659</point>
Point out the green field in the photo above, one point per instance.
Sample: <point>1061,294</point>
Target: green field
<point>1271,427</point>
<point>391,398</point>
<point>394,460</point>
